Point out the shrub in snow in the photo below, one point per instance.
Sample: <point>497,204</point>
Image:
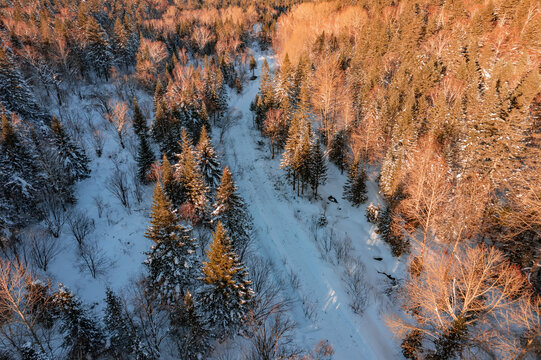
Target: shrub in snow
<point>372,213</point>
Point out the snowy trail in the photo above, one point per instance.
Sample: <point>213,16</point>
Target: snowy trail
<point>282,238</point>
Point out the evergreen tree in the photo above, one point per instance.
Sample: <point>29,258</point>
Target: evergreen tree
<point>191,331</point>
<point>172,262</point>
<point>189,175</point>
<point>121,44</point>
<point>145,159</point>
<point>318,167</point>
<point>15,94</point>
<point>225,297</point>
<point>355,187</point>
<point>20,178</point>
<point>83,338</point>
<point>171,186</point>
<point>72,156</point>
<point>253,66</point>
<point>98,49</point>
<point>208,161</point>
<point>139,121</point>
<point>231,210</point>
<point>338,149</point>
<point>28,352</point>
<point>120,338</point>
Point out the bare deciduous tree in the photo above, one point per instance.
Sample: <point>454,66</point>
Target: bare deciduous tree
<point>94,259</point>
<point>81,226</point>
<point>43,247</point>
<point>118,116</point>
<point>118,186</point>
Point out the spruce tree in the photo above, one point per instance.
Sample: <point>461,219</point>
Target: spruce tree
<point>72,156</point>
<point>145,159</point>
<point>338,149</point>
<point>188,173</point>
<point>190,331</point>
<point>15,94</point>
<point>355,187</point>
<point>208,161</point>
<point>98,49</point>
<point>172,188</point>
<point>225,297</point>
<point>231,210</point>
<point>318,167</point>
<point>119,335</point>
<point>83,338</point>
<point>139,122</point>
<point>172,262</point>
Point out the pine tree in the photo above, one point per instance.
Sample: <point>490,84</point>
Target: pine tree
<point>225,297</point>
<point>72,156</point>
<point>318,167</point>
<point>139,122</point>
<point>355,187</point>
<point>231,210</point>
<point>83,338</point>
<point>29,352</point>
<point>208,161</point>
<point>120,337</point>
<point>121,44</point>
<point>289,157</point>
<point>145,159</point>
<point>253,66</point>
<point>172,262</point>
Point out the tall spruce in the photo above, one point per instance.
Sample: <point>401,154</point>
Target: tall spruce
<point>355,187</point>
<point>172,262</point>
<point>208,161</point>
<point>119,335</point>
<point>145,158</point>
<point>83,338</point>
<point>72,157</point>
<point>231,210</point>
<point>139,122</point>
<point>318,167</point>
<point>225,296</point>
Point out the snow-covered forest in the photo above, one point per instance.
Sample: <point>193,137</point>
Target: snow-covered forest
<point>264,180</point>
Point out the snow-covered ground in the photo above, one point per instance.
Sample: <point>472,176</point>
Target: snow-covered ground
<point>285,234</point>
<point>309,270</point>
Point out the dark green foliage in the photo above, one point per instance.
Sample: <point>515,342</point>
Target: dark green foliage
<point>412,345</point>
<point>318,167</point>
<point>355,187</point>
<point>120,337</point>
<point>82,336</point>
<point>225,297</point>
<point>139,122</point>
<point>172,263</point>
<point>338,149</point>
<point>230,209</point>
<point>145,158</point>
<point>71,156</point>
<point>208,161</point>
<point>387,228</point>
<point>451,343</point>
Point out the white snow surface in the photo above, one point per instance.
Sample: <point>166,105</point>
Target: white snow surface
<point>283,234</point>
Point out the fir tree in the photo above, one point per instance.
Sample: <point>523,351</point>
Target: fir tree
<point>139,121</point>
<point>145,159</point>
<point>318,167</point>
<point>20,178</point>
<point>253,66</point>
<point>338,149</point>
<point>191,331</point>
<point>120,339</point>
<point>225,297</point>
<point>15,94</point>
<point>73,158</point>
<point>171,186</point>
<point>189,175</point>
<point>98,49</point>
<point>230,209</point>
<point>355,187</point>
<point>172,262</point>
<point>208,161</point>
<point>83,338</point>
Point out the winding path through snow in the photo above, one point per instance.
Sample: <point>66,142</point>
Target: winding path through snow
<point>284,239</point>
